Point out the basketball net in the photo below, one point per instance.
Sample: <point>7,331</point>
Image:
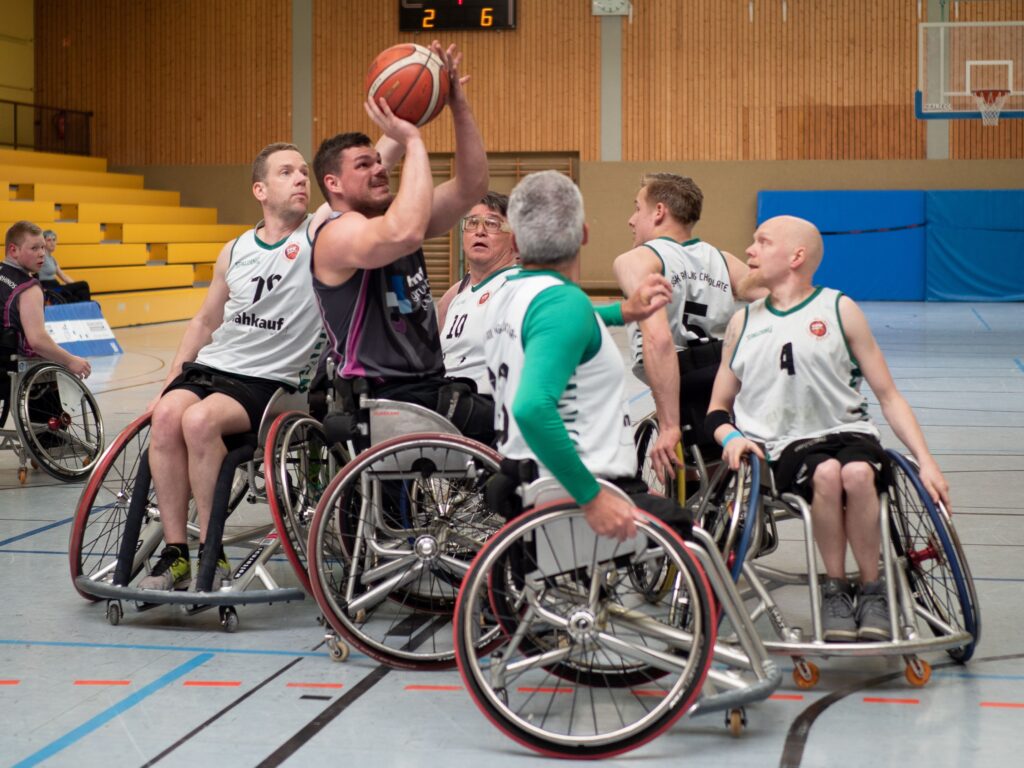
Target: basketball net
<point>990,103</point>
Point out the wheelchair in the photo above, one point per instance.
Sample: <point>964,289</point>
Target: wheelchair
<point>57,422</point>
<point>580,646</point>
<point>117,530</point>
<point>395,530</point>
<point>932,600</point>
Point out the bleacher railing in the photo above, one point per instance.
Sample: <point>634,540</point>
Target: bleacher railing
<point>45,129</point>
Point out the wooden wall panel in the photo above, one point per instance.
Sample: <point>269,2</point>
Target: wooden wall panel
<point>535,89</point>
<point>183,82</point>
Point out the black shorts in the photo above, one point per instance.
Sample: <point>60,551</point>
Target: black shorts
<point>794,469</point>
<point>251,393</point>
<point>698,366</point>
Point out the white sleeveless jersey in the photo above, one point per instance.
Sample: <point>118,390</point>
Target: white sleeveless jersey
<point>593,406</point>
<point>462,338</point>
<point>799,378</point>
<point>272,327</point>
<point>702,300</point>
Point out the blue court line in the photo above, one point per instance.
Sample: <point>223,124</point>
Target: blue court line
<point>981,319</point>
<point>110,713</point>
<point>1020,364</point>
<point>179,648</point>
<point>34,531</point>
<point>634,398</point>
<point>972,676</point>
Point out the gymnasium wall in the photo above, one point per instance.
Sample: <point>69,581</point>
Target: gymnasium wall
<point>17,75</point>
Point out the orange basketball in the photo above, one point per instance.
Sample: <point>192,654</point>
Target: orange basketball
<point>412,79</point>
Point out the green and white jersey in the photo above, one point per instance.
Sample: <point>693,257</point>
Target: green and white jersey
<point>593,405</point>
<point>798,376</point>
<point>462,338</point>
<point>272,327</point>
<point>702,299</point>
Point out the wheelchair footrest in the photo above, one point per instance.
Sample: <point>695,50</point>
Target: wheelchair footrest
<point>186,597</point>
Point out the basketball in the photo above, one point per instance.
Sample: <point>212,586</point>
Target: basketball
<point>412,79</point>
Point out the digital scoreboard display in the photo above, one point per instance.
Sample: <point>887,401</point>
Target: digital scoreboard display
<point>429,15</point>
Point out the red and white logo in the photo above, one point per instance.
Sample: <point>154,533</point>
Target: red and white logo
<point>291,251</point>
<point>484,297</point>
<point>818,328</point>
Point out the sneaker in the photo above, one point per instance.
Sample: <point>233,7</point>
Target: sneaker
<point>873,612</point>
<point>221,576</point>
<point>172,571</point>
<point>837,615</point>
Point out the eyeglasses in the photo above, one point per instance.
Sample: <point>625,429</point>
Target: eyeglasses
<point>492,224</point>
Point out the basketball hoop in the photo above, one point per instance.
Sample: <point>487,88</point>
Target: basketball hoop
<point>990,103</point>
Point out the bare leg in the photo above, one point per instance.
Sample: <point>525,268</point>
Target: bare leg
<point>862,517</point>
<point>168,460</point>
<point>827,513</point>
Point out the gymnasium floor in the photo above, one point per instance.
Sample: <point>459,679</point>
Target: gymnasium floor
<point>165,687</point>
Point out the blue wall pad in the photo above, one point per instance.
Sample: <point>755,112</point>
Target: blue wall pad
<point>874,240</point>
<point>81,329</point>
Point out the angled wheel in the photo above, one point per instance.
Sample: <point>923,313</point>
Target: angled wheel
<point>587,665</point>
<point>936,568</point>
<point>730,512</point>
<point>59,421</point>
<point>391,539</point>
<point>644,437</point>
<point>298,465</point>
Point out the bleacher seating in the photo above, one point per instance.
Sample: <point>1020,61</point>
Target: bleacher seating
<point>146,258</point>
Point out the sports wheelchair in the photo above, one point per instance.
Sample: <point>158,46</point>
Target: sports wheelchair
<point>57,422</point>
<point>395,530</point>
<point>932,601</point>
<point>117,529</point>
<point>580,646</point>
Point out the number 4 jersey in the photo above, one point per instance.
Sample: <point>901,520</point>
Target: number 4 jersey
<point>272,327</point>
<point>799,377</point>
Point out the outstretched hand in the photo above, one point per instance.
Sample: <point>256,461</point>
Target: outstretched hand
<point>452,58</point>
<point>652,294</point>
<point>390,124</point>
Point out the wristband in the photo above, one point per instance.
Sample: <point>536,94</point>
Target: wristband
<point>735,433</point>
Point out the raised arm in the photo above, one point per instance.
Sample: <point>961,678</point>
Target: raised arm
<point>737,271</point>
<point>896,409</point>
<point>30,309</point>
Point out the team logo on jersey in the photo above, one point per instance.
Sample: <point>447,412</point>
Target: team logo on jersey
<point>818,328</point>
<point>291,251</point>
<point>484,297</point>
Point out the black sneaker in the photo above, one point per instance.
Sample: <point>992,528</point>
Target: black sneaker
<point>838,622</point>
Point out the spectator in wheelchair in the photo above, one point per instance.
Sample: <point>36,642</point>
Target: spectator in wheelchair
<point>51,275</point>
<point>556,373</point>
<point>21,296</point>
<point>258,330</point>
<point>788,390</point>
<point>677,351</point>
<point>491,259</point>
<point>369,270</point>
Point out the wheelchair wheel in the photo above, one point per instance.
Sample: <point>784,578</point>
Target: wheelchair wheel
<point>58,421</point>
<point>103,509</point>
<point>391,539</point>
<point>730,512</point>
<point>936,568</point>
<point>644,437</point>
<point>588,665</point>
<point>299,465</point>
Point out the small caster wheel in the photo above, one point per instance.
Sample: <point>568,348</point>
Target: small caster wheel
<point>34,464</point>
<point>229,618</point>
<point>338,648</point>
<point>918,672</point>
<point>360,617</point>
<point>735,720</point>
<point>806,675</point>
<point>114,612</point>
<point>22,475</point>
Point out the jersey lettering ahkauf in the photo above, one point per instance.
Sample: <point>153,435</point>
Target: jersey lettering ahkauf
<point>593,406</point>
<point>798,376</point>
<point>272,327</point>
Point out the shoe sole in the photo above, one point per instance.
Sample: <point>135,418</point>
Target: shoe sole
<point>840,636</point>
<point>873,634</point>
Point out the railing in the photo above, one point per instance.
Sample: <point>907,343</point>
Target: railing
<point>45,129</point>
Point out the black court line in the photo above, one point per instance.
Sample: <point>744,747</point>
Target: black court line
<point>315,697</point>
<point>796,739</point>
<point>871,231</point>
<point>220,714</point>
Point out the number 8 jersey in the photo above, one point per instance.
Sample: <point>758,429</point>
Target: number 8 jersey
<point>798,375</point>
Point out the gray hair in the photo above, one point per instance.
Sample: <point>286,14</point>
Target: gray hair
<point>49,233</point>
<point>546,213</point>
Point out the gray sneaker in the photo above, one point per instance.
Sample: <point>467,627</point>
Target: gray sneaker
<point>221,576</point>
<point>873,612</point>
<point>172,571</point>
<point>837,616</point>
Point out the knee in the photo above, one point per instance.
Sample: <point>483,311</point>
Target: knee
<point>165,425</point>
<point>827,479</point>
<point>199,429</point>
<point>858,477</point>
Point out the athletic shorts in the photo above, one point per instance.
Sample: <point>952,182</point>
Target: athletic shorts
<point>698,366</point>
<point>251,393</point>
<point>794,469</point>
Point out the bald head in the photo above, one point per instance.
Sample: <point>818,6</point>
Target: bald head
<point>796,234</point>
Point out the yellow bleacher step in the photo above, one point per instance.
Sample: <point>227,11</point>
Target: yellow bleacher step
<point>7,192</point>
<point>102,255</point>
<point>69,193</point>
<point>52,160</point>
<point>23,210</point>
<point>181,233</point>
<point>145,214</point>
<point>186,253</point>
<point>69,233</point>
<point>123,309</point>
<point>202,273</point>
<point>25,174</point>
<point>145,278</point>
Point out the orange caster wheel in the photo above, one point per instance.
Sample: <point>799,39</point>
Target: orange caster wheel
<point>806,675</point>
<point>22,475</point>
<point>918,672</point>
<point>735,719</point>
